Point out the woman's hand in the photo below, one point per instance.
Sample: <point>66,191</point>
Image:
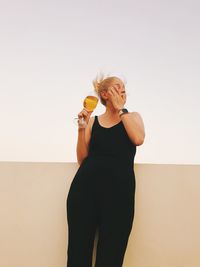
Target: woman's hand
<point>118,100</point>
<point>85,115</point>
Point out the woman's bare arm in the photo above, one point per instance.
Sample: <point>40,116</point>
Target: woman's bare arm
<point>134,126</point>
<point>84,135</point>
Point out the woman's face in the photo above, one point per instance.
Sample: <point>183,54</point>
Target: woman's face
<point>119,85</point>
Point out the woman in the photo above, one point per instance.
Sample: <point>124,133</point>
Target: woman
<point>102,193</point>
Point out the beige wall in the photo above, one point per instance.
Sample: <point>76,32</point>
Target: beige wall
<point>33,224</point>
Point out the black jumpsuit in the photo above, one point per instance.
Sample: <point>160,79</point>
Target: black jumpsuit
<point>102,195</point>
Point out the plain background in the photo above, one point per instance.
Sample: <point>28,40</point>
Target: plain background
<point>50,52</point>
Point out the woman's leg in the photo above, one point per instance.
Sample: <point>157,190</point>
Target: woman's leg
<point>82,224</point>
<point>117,213</point>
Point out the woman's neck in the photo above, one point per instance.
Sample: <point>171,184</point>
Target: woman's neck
<point>111,112</point>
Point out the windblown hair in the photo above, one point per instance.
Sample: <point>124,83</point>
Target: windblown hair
<point>101,83</point>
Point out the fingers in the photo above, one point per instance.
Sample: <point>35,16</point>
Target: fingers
<point>84,114</point>
<point>110,92</point>
<point>116,97</point>
<point>114,92</point>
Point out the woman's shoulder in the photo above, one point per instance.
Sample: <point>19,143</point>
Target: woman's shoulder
<point>92,118</point>
<point>136,114</point>
<point>91,122</point>
<point>138,118</point>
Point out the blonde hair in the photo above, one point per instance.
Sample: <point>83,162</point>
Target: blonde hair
<point>101,83</point>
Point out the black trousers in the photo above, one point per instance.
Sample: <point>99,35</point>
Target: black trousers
<point>100,199</point>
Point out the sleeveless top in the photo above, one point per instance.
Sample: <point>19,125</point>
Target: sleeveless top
<point>112,142</point>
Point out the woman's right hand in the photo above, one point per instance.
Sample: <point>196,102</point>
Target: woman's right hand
<point>85,115</point>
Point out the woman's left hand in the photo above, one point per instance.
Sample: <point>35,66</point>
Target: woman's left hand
<point>117,100</point>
